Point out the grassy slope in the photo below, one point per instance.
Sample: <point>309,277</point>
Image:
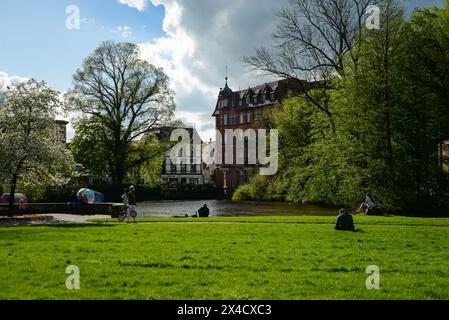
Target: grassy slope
<point>229,258</point>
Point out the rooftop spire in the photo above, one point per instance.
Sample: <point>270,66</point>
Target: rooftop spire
<point>226,91</point>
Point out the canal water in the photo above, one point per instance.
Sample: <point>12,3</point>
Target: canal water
<point>227,208</point>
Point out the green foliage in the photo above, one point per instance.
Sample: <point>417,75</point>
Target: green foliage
<point>122,98</point>
<point>88,147</point>
<point>390,117</point>
<point>256,189</point>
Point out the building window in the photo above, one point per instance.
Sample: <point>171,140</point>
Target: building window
<point>273,96</point>
<point>248,117</point>
<point>255,99</point>
<point>248,100</point>
<point>225,103</point>
<point>240,103</point>
<point>241,118</point>
<point>225,119</point>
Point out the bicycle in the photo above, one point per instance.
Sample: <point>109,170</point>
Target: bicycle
<point>124,214</point>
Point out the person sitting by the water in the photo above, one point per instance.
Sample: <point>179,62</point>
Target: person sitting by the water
<point>203,212</point>
<point>367,205</point>
<point>345,221</point>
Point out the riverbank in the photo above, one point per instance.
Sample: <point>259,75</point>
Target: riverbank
<point>228,258</point>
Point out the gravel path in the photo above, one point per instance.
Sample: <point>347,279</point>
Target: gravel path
<point>53,219</point>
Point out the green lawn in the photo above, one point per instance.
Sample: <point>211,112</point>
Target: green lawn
<point>228,258</point>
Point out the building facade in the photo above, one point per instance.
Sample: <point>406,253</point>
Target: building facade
<point>253,108</point>
<point>189,171</point>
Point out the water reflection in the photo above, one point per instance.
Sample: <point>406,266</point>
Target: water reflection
<point>222,208</point>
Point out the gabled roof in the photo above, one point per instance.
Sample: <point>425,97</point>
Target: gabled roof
<point>280,87</point>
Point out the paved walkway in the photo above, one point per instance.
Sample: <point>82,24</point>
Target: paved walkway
<point>47,220</point>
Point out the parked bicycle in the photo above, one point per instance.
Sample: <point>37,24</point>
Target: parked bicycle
<point>124,214</point>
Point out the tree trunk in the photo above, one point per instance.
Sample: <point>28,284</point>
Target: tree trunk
<point>118,174</point>
<point>11,210</point>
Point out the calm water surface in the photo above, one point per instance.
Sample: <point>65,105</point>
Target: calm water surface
<point>226,208</point>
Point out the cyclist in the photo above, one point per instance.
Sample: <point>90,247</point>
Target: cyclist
<point>132,205</point>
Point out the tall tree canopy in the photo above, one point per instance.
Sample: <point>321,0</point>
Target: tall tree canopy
<point>125,97</point>
<point>30,143</point>
<point>386,102</point>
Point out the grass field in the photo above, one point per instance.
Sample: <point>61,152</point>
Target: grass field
<point>228,258</point>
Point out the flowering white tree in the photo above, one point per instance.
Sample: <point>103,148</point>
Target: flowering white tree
<point>30,145</point>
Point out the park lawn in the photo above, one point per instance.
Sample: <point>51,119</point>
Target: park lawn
<point>228,258</point>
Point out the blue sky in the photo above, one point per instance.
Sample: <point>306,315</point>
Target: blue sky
<point>36,43</point>
<point>193,40</point>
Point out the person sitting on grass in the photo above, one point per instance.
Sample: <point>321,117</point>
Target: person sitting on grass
<point>344,221</point>
<point>132,204</point>
<point>203,212</point>
<point>367,205</point>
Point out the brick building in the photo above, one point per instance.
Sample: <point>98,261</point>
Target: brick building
<point>251,108</point>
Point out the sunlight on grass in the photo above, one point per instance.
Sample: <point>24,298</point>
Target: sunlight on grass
<point>228,258</point>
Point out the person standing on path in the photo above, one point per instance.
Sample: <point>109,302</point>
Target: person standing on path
<point>132,204</point>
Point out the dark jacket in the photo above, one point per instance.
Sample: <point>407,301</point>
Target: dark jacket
<point>345,222</point>
<point>203,212</point>
<point>132,199</point>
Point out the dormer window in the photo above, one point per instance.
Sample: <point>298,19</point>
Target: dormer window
<point>225,103</point>
<point>240,103</point>
<point>255,99</point>
<point>248,100</point>
<point>273,96</point>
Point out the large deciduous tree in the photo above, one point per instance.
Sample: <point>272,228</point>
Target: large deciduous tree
<point>30,143</point>
<point>126,97</point>
<point>315,41</point>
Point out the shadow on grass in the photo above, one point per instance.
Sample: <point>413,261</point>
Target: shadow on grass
<point>76,225</point>
<point>67,225</point>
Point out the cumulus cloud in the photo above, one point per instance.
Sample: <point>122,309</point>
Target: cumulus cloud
<point>202,38</point>
<point>7,80</point>
<point>137,4</point>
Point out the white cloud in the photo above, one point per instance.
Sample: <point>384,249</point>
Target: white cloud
<point>202,37</point>
<point>6,80</point>
<point>125,31</point>
<point>138,4</point>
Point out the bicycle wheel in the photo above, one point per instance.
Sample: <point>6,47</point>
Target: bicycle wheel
<point>121,217</point>
<point>133,214</point>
